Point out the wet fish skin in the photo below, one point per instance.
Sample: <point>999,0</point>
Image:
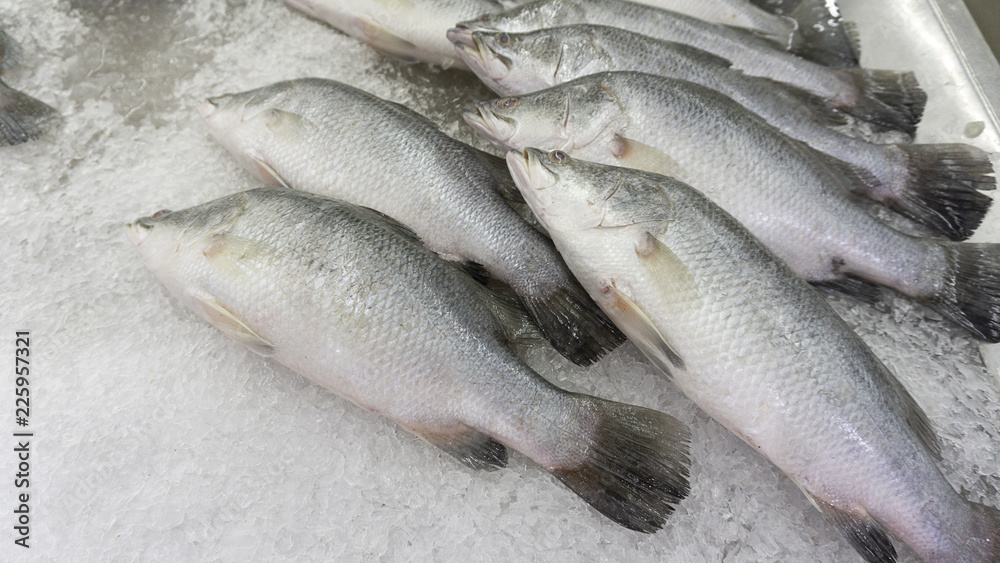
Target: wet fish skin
<point>353,302</point>
<point>888,100</point>
<point>410,30</point>
<point>779,188</point>
<point>936,185</point>
<point>761,352</point>
<point>329,138</point>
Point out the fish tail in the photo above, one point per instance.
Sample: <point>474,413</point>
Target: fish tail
<point>836,49</point>
<point>888,100</point>
<point>636,464</point>
<point>942,188</point>
<point>574,324</point>
<point>826,39</point>
<point>22,118</point>
<point>969,292</point>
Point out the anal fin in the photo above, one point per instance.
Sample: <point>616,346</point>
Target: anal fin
<point>472,448</point>
<point>866,535</point>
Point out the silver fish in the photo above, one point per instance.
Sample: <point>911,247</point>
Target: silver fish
<point>325,137</point>
<point>411,30</point>
<point>888,100</point>
<point>786,193</point>
<point>937,185</point>
<point>760,351</point>
<point>353,302</point>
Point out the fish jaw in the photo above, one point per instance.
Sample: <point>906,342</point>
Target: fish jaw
<point>491,68</point>
<point>556,204</point>
<point>498,130</point>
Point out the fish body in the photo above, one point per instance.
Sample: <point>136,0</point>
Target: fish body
<point>935,185</point>
<point>887,99</point>
<point>786,193</point>
<point>410,30</point>
<point>759,350</point>
<point>352,301</point>
<point>329,138</point>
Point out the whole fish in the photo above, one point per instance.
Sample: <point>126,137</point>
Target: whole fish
<point>785,193</point>
<point>325,137</point>
<point>887,99</point>
<point>22,118</point>
<point>353,302</point>
<point>760,351</point>
<point>936,185</point>
<point>411,30</point>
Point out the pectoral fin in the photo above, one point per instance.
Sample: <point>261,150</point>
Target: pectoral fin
<point>640,329</point>
<point>634,154</point>
<point>666,268</point>
<point>232,326</point>
<point>387,42</point>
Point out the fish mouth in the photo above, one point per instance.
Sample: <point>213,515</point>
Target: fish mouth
<point>529,172</point>
<point>482,56</point>
<point>460,36</point>
<point>497,129</point>
<point>207,107</point>
<point>138,230</point>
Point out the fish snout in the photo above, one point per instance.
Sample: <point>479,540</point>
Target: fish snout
<point>460,36</point>
<point>138,231</point>
<point>497,129</point>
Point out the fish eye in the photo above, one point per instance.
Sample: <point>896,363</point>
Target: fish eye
<point>160,213</point>
<point>503,39</point>
<point>508,103</point>
<point>486,19</point>
<point>558,156</point>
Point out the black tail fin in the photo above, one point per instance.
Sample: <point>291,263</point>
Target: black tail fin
<point>969,292</point>
<point>636,465</point>
<point>887,99</point>
<point>826,39</point>
<point>22,118</point>
<point>943,186</point>
<point>574,324</point>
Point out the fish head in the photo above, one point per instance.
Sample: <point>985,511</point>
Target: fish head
<point>549,182</point>
<point>519,63</point>
<point>173,243</point>
<point>579,117</point>
<point>571,196</point>
<point>239,122</point>
<point>528,17</point>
